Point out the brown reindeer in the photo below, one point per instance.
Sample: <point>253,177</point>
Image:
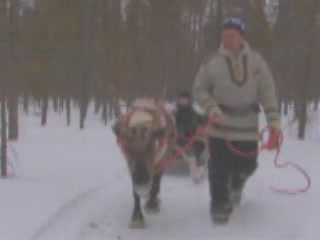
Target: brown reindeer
<point>146,135</point>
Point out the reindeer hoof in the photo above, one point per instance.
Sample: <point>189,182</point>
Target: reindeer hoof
<point>137,224</point>
<point>153,206</point>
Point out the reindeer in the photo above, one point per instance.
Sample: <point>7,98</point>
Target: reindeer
<point>146,135</point>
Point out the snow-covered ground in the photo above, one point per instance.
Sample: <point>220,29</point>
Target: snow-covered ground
<point>74,185</point>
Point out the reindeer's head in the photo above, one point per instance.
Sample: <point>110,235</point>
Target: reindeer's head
<point>139,142</point>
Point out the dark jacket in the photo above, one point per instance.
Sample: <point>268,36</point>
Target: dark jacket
<point>187,121</point>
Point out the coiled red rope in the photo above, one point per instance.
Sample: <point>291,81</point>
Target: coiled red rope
<point>265,145</point>
<point>282,164</point>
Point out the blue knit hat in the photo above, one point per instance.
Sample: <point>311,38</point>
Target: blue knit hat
<point>235,23</point>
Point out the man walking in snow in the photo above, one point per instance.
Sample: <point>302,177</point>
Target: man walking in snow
<point>230,86</point>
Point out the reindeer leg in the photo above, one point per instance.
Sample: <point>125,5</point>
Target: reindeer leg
<point>137,220</point>
<point>153,203</point>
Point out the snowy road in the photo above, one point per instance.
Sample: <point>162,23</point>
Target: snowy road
<point>74,185</point>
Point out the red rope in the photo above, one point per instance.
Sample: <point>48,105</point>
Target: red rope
<point>180,150</point>
<point>278,164</point>
<point>265,145</point>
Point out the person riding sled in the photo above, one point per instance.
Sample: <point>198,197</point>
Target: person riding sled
<point>230,86</point>
<point>187,121</point>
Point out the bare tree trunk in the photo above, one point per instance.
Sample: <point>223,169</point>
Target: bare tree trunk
<point>44,112</point>
<point>13,117</point>
<point>296,108</point>
<point>26,103</point>
<point>302,116</point>
<point>55,103</point>
<point>286,108</point>
<point>88,41</point>
<point>3,86</point>
<point>116,107</point>
<point>68,110</point>
<point>4,157</point>
<point>61,104</point>
<point>97,105</point>
<point>111,109</point>
<point>83,111</point>
<point>219,14</point>
<point>13,96</point>
<point>307,72</point>
<point>105,112</point>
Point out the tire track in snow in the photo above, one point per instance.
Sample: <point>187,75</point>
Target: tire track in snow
<point>55,225</point>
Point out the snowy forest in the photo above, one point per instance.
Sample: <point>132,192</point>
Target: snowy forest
<point>104,50</point>
<point>70,69</point>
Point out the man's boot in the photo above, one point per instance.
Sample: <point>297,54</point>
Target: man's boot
<point>220,213</point>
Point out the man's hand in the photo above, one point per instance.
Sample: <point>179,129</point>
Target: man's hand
<point>275,139</point>
<point>216,114</point>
